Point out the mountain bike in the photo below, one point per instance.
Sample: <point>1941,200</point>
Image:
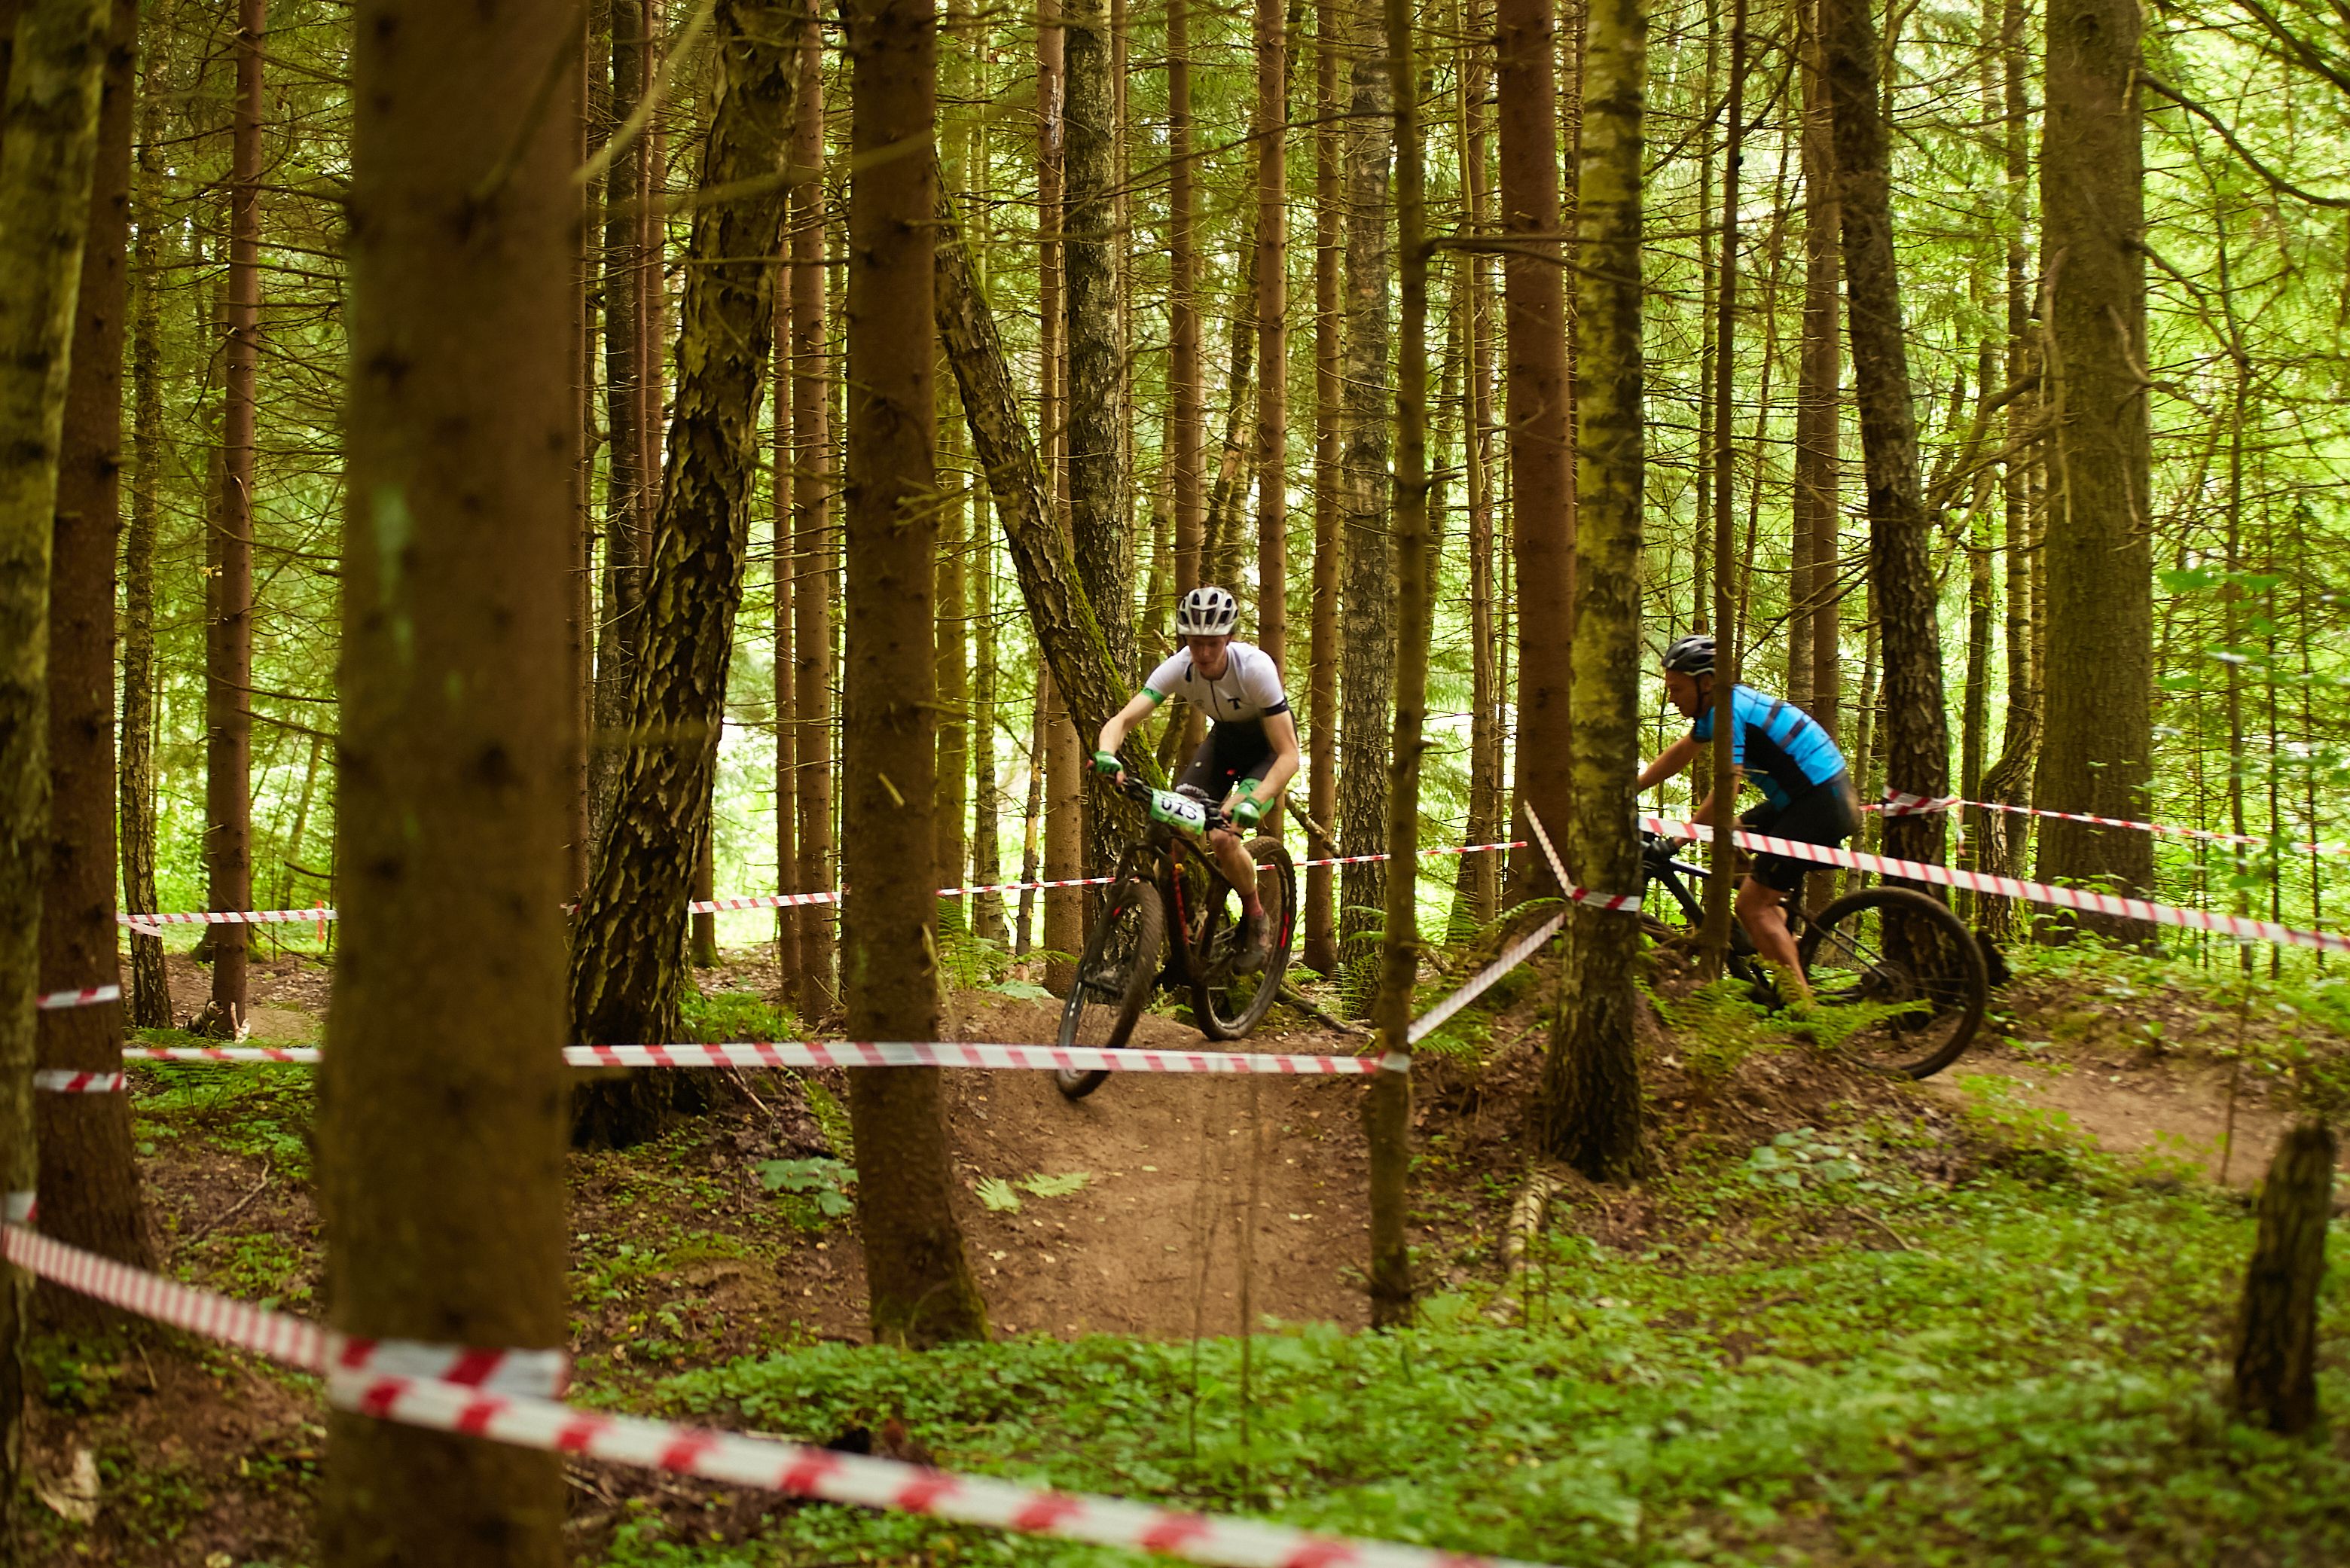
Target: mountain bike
<point>1900,954</point>
<point>1134,945</point>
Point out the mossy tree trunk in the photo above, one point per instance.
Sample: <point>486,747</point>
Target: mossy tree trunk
<point>2276,1341</point>
<point>1591,1077</point>
<point>626,973</point>
<point>918,1285</point>
<point>48,140</point>
<point>85,1140</point>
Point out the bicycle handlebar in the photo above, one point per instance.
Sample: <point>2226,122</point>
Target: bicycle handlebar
<point>1134,789</point>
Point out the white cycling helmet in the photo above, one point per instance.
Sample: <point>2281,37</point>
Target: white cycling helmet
<point>1207,612</point>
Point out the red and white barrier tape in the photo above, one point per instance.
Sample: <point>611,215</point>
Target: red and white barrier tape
<point>467,1392</point>
<point>1899,803</point>
<point>2011,887</point>
<point>738,901</point>
<point>87,996</point>
<point>295,1341</point>
<point>855,1054</point>
<point>64,1081</point>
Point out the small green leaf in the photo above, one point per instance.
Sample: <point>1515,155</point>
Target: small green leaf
<point>1056,1186</point>
<point>997,1194</point>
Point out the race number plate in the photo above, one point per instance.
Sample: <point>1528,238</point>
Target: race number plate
<point>1179,811</point>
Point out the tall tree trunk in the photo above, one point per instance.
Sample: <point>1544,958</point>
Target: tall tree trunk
<point>2095,754</point>
<point>1729,657</point>
<point>48,141</point>
<point>789,878</point>
<point>1321,951</point>
<point>1541,489</point>
<point>953,673</point>
<point>586,80</point>
<point>812,475</point>
<point>1386,1108</point>
<point>986,789</point>
<point>1917,743</point>
<point>621,589</point>
<point>1818,397</point>
<point>1186,378</point>
<point>919,1286</point>
<point>456,755</point>
<point>2275,1379</point>
<point>1272,278</point>
<point>85,1140</point>
<point>150,996</point>
<point>228,648</point>
<point>625,977</point>
<point>1476,891</point>
<point>1591,1077</point>
<point>1368,629</point>
<point>1063,790</point>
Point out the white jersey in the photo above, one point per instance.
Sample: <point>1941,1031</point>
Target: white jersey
<point>1247,692</point>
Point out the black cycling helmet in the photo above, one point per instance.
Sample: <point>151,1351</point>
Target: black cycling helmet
<point>1690,656</point>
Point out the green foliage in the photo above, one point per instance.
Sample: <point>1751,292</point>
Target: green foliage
<point>823,1182</point>
<point>720,1016</point>
<point>1003,1197</point>
<point>831,1119</point>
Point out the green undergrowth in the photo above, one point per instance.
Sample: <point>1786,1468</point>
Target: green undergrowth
<point>1821,1357</point>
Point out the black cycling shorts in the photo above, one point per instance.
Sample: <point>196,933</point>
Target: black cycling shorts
<point>1233,751</point>
<point>1826,813</point>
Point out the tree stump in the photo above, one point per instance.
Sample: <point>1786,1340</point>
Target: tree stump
<point>2276,1345</point>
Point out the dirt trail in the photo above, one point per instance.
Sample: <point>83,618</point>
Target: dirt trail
<point>1154,1243</point>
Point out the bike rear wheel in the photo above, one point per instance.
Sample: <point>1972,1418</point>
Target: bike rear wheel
<point>1228,1006</point>
<point>1899,950</point>
<point>1114,976</point>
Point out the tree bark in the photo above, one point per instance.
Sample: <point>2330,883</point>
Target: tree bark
<point>625,977</point>
<point>1271,130</point>
<point>1543,490</point>
<point>85,1140</point>
<point>1818,399</point>
<point>918,1285</point>
<point>1386,1108</point>
<point>1591,1077</point>
<point>228,655</point>
<point>986,786</point>
<point>621,582</point>
<point>1065,932</point>
<point>149,993</point>
<point>1321,948</point>
<point>1097,387</point>
<point>1730,655</point>
<point>2096,752</point>
<point>48,141</point>
<point>1366,628</point>
<point>954,675</point>
<point>1477,885</point>
<point>812,479</point>
<point>1916,744</point>
<point>456,761</point>
<point>787,566</point>
<point>2276,1338</point>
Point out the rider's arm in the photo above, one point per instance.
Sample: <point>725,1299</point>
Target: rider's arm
<point>1137,707</point>
<point>1281,729</point>
<point>1674,759</point>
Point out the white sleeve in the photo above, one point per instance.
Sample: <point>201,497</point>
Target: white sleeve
<point>1261,682</point>
<point>1168,678</point>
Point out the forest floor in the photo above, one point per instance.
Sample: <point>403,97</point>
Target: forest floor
<point>2006,1280</point>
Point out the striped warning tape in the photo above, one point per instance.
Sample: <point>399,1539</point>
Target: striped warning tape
<point>87,996</point>
<point>64,1081</point>
<point>471,1393</point>
<point>1899,803</point>
<point>850,1054</point>
<point>281,1337</point>
<point>2107,903</point>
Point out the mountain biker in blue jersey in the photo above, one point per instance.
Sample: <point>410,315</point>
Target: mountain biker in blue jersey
<point>1807,794</point>
<point>1250,751</point>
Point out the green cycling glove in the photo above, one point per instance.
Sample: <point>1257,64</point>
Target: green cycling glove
<point>1107,763</point>
<point>1247,812</point>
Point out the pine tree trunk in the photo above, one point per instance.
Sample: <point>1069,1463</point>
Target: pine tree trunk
<point>1542,487</point>
<point>586,80</point>
<point>1591,1077</point>
<point>1818,397</point>
<point>48,141</point>
<point>1321,948</point>
<point>919,1286</point>
<point>1064,792</point>
<point>1476,888</point>
<point>701,943</point>
<point>626,974</point>
<point>456,756</point>
<point>1271,276</point>
<point>954,675</point>
<point>1916,744</point>
<point>1386,1107</point>
<point>1186,371</point>
<point>1032,826</point>
<point>1367,630</point>
<point>788,876</point>
<point>986,787</point>
<point>1729,656</point>
<point>2276,1337</point>
<point>85,1140</point>
<point>2096,752</point>
<point>619,597</point>
<point>812,478</point>
<point>149,994</point>
<point>228,656</point>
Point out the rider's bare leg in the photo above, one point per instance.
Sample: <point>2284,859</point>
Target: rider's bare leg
<point>1232,860</point>
<point>1761,911</point>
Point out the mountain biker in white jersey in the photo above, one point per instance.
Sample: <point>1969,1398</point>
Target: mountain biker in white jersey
<point>1250,751</point>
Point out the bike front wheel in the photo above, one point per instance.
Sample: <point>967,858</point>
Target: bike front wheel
<point>1914,968</point>
<point>1114,976</point>
<point>1228,1006</point>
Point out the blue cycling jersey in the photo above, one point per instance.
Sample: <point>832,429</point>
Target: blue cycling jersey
<point>1778,745</point>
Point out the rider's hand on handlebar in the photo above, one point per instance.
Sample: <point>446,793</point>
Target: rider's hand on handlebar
<point>1106,765</point>
<point>1247,812</point>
